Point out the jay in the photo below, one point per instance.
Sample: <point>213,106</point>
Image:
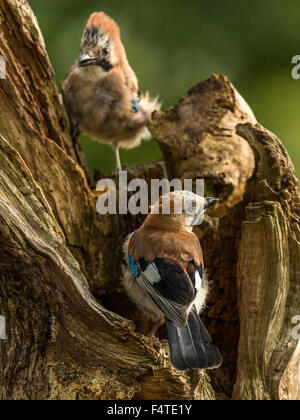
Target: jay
<point>100,92</point>
<point>165,277</point>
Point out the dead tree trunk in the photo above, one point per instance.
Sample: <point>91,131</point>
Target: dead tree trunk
<point>55,250</point>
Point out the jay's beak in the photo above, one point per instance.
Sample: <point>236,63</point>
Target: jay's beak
<point>211,201</point>
<point>86,60</point>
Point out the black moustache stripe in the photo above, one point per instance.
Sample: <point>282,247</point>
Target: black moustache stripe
<point>97,62</point>
<point>105,65</point>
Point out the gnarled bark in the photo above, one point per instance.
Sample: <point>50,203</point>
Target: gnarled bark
<point>56,251</point>
<point>268,277</point>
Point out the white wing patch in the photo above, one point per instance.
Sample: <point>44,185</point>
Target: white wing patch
<point>198,280</point>
<point>152,274</point>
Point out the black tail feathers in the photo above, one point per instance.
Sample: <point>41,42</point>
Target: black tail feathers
<point>190,347</point>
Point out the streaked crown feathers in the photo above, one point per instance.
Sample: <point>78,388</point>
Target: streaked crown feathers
<point>102,34</point>
<point>100,30</point>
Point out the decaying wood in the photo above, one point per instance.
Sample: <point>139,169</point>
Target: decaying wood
<point>57,254</point>
<point>268,276</point>
<point>198,140</point>
<point>61,343</point>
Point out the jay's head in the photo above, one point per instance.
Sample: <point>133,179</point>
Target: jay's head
<point>101,43</point>
<point>179,211</point>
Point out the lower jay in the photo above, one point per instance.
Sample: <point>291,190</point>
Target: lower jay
<point>166,279</point>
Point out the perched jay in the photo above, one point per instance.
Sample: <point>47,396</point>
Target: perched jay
<point>166,279</point>
<point>100,92</point>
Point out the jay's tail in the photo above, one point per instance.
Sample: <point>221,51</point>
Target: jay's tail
<point>190,346</point>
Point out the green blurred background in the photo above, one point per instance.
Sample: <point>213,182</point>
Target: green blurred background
<point>173,44</point>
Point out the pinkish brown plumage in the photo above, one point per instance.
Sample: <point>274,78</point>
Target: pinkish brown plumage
<point>100,92</point>
<point>165,277</point>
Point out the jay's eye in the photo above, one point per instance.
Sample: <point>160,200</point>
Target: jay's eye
<point>105,51</point>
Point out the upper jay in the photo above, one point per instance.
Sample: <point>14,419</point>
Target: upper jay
<point>166,279</point>
<point>100,92</point>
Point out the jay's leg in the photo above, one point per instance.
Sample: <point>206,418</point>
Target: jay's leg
<point>154,329</point>
<point>117,154</point>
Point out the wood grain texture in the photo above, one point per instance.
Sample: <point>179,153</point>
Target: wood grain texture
<point>268,274</point>
<point>198,139</point>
